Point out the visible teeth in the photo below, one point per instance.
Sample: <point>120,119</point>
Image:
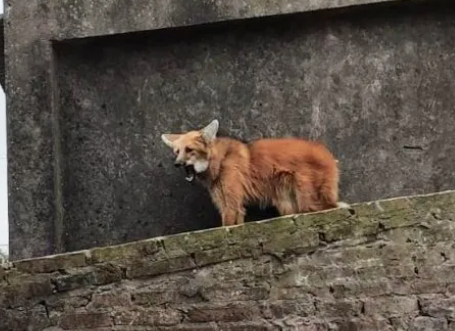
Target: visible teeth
<point>190,175</point>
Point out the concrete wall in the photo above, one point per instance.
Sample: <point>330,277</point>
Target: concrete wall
<point>87,102</point>
<point>386,265</point>
<point>2,53</point>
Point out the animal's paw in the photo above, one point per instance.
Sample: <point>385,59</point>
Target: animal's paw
<point>343,205</point>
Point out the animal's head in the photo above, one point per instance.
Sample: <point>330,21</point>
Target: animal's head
<point>192,148</point>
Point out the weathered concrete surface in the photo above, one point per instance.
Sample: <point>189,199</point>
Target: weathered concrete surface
<point>385,265</point>
<point>2,53</point>
<point>86,164</point>
<point>90,18</point>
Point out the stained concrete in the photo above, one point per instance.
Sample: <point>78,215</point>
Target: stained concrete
<point>2,53</point>
<point>87,167</point>
<point>89,18</point>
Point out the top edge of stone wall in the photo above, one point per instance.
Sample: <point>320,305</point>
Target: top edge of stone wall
<point>89,18</point>
<point>277,237</point>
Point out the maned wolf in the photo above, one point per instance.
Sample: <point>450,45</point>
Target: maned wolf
<point>291,174</point>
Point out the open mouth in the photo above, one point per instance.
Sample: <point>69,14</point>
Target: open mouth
<point>190,173</point>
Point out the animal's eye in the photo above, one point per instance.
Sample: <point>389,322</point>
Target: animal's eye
<point>176,151</point>
<point>188,149</point>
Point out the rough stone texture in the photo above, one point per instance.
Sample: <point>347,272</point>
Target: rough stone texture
<point>385,265</point>
<point>87,168</point>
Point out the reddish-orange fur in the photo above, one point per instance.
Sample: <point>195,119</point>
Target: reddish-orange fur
<point>294,175</point>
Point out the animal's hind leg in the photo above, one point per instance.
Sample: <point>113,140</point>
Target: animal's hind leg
<point>311,198</point>
<point>328,194</point>
<point>240,217</point>
<point>285,199</point>
<point>306,196</point>
<point>285,205</point>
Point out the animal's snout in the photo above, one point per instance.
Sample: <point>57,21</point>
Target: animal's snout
<point>178,164</point>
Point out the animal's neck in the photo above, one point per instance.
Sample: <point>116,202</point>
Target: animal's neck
<point>213,171</point>
<point>217,153</point>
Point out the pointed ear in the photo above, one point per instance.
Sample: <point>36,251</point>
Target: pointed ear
<point>210,131</point>
<point>169,139</point>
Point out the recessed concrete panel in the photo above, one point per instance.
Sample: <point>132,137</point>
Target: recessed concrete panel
<point>88,167</point>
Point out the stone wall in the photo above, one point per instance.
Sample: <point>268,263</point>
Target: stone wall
<point>386,265</point>
<point>91,85</point>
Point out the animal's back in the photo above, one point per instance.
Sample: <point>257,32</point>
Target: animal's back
<point>291,154</point>
<point>299,165</point>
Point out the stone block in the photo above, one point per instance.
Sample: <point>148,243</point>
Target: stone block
<point>275,310</point>
<point>145,269</point>
<point>128,252</point>
<point>30,319</point>
<point>110,300</point>
<point>426,323</point>
<point>24,290</point>
<point>147,317</point>
<point>338,308</point>
<point>364,324</point>
<point>229,312</point>
<point>78,278</point>
<point>391,306</point>
<point>52,263</point>
<point>438,306</point>
<point>194,327</point>
<point>246,326</point>
<point>85,321</point>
